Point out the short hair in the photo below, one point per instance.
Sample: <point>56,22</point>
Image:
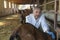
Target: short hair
<point>37,7</point>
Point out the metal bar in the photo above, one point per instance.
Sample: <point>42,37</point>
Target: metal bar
<point>55,19</point>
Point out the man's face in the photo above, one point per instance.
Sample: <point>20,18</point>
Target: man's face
<point>36,12</point>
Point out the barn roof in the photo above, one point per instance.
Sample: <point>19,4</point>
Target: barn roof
<point>26,1</point>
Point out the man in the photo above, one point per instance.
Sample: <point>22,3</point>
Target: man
<point>38,19</point>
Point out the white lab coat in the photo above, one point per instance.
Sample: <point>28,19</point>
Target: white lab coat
<point>40,21</point>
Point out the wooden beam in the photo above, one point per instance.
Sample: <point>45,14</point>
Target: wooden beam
<point>22,1</point>
<point>48,3</point>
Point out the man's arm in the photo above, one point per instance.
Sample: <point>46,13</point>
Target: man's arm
<point>44,24</point>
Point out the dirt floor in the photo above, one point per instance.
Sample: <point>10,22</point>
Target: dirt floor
<point>7,25</point>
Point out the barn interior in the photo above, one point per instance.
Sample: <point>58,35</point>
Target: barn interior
<point>11,10</point>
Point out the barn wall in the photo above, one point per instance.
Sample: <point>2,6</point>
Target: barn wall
<point>59,6</point>
<point>6,11</point>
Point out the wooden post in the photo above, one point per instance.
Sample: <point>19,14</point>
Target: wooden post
<point>55,19</point>
<point>45,5</point>
<point>38,3</point>
<point>32,2</point>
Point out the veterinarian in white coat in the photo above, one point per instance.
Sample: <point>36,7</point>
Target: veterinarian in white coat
<point>38,19</point>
